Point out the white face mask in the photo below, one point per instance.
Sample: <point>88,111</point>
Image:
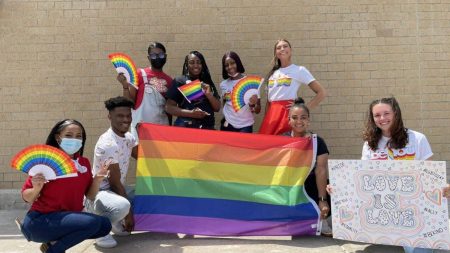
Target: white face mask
<point>70,145</point>
<point>233,76</point>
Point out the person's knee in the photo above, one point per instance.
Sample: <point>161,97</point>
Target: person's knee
<point>124,209</point>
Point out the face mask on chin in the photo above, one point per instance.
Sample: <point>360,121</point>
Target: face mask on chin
<point>235,75</point>
<point>158,63</point>
<point>70,145</point>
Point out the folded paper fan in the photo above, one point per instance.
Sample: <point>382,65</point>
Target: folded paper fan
<point>243,90</point>
<point>125,65</point>
<point>53,163</point>
<point>192,91</point>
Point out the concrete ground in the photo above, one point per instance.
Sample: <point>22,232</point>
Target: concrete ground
<point>12,241</point>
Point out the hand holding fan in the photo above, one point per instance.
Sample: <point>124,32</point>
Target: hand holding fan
<point>125,65</point>
<point>53,163</point>
<point>243,90</point>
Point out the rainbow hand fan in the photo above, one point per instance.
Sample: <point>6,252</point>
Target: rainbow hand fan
<point>192,91</point>
<point>125,65</point>
<point>53,163</point>
<point>243,90</point>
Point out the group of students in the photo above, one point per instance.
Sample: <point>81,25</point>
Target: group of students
<point>158,98</point>
<point>60,218</point>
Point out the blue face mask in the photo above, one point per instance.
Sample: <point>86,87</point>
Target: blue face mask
<point>70,145</point>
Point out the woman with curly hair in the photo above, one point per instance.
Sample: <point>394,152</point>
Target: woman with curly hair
<point>386,138</point>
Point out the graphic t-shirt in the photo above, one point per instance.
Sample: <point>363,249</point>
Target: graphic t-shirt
<point>284,82</point>
<point>417,148</point>
<point>241,118</point>
<point>117,149</point>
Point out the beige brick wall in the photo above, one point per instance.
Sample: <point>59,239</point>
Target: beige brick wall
<point>53,56</point>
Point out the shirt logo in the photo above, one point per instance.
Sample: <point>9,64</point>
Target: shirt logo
<point>280,82</point>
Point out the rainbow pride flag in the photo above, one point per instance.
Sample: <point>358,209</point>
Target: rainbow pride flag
<point>192,91</point>
<point>219,183</point>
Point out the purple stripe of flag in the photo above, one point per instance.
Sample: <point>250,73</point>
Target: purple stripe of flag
<point>220,227</point>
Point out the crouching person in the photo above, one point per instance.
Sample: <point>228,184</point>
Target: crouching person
<point>114,147</point>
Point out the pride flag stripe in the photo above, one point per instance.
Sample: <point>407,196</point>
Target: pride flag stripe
<point>229,172</point>
<point>223,183</point>
<point>192,91</point>
<point>250,141</point>
<point>220,227</point>
<point>214,208</point>
<point>275,195</point>
<point>225,153</point>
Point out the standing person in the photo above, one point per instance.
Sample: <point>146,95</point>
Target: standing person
<point>316,183</point>
<point>243,120</point>
<point>115,146</point>
<point>386,138</point>
<point>198,113</point>
<point>153,85</point>
<point>55,218</point>
<point>283,83</point>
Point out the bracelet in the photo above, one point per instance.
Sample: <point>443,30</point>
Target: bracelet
<point>126,89</point>
<point>322,198</point>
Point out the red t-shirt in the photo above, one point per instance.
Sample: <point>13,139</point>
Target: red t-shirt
<point>64,194</point>
<point>158,79</point>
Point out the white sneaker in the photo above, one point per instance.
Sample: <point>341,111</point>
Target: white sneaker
<point>106,242</point>
<point>118,229</point>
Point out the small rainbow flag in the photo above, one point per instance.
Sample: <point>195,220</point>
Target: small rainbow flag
<point>45,159</point>
<point>223,183</point>
<point>125,65</point>
<point>243,90</point>
<point>192,91</point>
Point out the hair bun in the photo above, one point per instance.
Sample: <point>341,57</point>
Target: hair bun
<point>299,100</point>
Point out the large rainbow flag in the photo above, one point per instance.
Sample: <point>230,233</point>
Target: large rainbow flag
<point>219,183</point>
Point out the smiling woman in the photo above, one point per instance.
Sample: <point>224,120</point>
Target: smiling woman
<point>198,113</point>
<point>232,73</point>
<point>316,182</point>
<point>283,82</point>
<point>386,138</point>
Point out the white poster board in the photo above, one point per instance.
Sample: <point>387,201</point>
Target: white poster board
<point>390,202</point>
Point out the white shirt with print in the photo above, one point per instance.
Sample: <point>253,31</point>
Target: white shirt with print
<point>111,147</point>
<point>417,148</point>
<point>241,118</point>
<point>284,82</point>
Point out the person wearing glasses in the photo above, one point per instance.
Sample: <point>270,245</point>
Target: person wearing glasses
<point>150,96</point>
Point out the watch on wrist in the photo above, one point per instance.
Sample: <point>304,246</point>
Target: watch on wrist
<point>322,198</point>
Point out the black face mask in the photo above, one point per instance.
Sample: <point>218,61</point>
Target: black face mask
<point>158,63</point>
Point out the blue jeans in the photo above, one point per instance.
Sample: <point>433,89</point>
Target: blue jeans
<point>66,229</point>
<point>230,128</point>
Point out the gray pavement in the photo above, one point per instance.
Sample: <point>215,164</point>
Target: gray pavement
<point>12,241</point>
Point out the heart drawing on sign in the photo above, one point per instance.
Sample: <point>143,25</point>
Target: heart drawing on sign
<point>435,196</point>
<point>344,214</point>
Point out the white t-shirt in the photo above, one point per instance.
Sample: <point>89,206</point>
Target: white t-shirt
<point>241,118</point>
<point>284,82</point>
<point>417,148</point>
<point>112,147</point>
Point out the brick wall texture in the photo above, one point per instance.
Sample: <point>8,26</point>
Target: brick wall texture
<point>54,65</point>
